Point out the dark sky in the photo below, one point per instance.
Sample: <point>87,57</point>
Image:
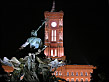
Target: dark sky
<point>85,32</point>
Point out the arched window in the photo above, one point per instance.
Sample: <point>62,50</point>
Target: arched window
<point>72,79</point>
<point>53,35</point>
<point>55,52</point>
<point>76,73</point>
<point>51,52</point>
<point>86,80</point>
<point>77,80</point>
<point>86,74</point>
<point>67,73</point>
<point>67,79</point>
<point>81,73</point>
<point>81,79</point>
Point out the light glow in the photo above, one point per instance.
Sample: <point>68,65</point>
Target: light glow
<point>53,24</point>
<point>53,36</point>
<point>55,52</point>
<point>51,52</point>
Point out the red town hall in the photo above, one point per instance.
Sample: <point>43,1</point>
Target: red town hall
<point>54,34</point>
<point>55,49</point>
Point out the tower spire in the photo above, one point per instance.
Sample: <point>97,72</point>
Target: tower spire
<point>53,7</point>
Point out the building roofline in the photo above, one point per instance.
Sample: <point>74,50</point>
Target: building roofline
<point>78,67</point>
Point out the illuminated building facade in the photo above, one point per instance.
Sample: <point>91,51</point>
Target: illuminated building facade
<point>54,34</point>
<point>55,49</point>
<point>75,73</point>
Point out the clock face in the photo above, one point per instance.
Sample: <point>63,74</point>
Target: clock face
<point>53,24</point>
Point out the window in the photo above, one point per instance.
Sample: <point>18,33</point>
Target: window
<point>67,79</point>
<point>53,36</point>
<point>81,73</point>
<point>67,73</point>
<point>72,79</point>
<point>86,74</point>
<point>76,73</point>
<point>51,52</point>
<point>86,80</point>
<point>72,74</point>
<point>81,79</point>
<point>55,52</point>
<point>77,80</point>
<point>56,73</point>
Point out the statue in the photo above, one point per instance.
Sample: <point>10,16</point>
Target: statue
<point>31,67</point>
<point>34,41</point>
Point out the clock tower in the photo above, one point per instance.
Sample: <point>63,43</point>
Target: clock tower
<point>54,34</point>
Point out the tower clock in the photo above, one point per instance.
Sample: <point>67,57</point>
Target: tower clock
<point>53,24</point>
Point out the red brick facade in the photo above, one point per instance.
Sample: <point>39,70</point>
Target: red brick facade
<point>55,49</point>
<point>75,73</point>
<point>54,34</point>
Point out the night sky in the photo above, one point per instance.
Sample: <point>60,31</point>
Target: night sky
<point>86,36</point>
